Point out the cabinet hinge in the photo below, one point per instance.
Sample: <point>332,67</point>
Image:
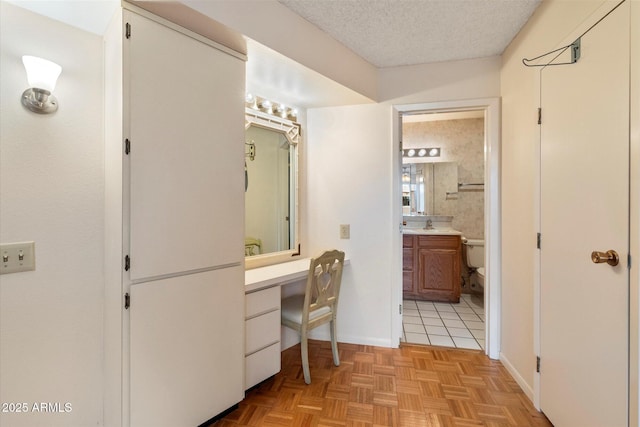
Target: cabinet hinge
<point>127,31</point>
<point>538,240</point>
<point>127,146</point>
<point>538,364</point>
<point>127,263</point>
<point>539,116</point>
<point>127,301</point>
<point>400,308</point>
<point>629,261</point>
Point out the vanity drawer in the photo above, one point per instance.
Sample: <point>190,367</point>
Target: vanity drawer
<point>262,331</point>
<point>261,365</point>
<point>262,301</point>
<point>439,242</point>
<point>408,241</point>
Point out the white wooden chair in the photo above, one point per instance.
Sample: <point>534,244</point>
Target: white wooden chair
<point>318,305</point>
<point>252,246</point>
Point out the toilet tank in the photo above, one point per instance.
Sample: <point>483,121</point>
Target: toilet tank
<point>475,252</point>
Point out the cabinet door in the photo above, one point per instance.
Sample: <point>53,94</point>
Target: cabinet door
<point>439,268</point>
<point>408,282</point>
<point>185,106</point>
<point>187,348</point>
<point>408,264</point>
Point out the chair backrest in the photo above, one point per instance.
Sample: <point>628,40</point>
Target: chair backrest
<point>252,246</point>
<point>323,283</point>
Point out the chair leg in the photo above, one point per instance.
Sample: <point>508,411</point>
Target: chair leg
<point>334,343</point>
<point>304,350</point>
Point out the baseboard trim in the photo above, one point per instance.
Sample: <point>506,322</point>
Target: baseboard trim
<point>319,334</point>
<point>526,388</point>
<point>219,416</point>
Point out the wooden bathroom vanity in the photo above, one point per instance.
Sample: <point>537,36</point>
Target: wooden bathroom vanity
<point>431,266</point>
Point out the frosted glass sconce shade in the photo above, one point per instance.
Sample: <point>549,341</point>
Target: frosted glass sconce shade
<point>42,76</point>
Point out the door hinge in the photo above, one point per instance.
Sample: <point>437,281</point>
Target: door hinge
<point>127,31</point>
<point>539,116</point>
<point>538,240</point>
<point>538,364</point>
<point>399,308</point>
<point>127,301</point>
<point>629,261</point>
<point>127,263</point>
<point>127,146</point>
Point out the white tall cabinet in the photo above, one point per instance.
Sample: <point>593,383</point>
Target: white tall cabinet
<point>174,315</point>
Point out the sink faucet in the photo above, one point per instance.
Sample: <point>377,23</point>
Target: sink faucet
<point>429,224</point>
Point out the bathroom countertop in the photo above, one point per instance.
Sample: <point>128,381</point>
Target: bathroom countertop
<point>432,232</point>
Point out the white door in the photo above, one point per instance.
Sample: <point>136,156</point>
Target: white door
<point>584,311</point>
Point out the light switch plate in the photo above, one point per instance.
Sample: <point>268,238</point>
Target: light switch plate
<point>17,257</point>
<point>345,231</point>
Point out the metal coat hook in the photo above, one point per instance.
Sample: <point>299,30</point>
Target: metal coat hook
<point>575,47</point>
<point>575,55</point>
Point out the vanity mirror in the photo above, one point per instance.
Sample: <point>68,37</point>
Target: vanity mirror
<point>271,199</point>
<point>429,188</point>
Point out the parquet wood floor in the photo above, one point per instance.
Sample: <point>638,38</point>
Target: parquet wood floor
<point>412,386</point>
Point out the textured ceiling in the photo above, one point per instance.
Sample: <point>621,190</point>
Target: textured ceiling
<point>390,33</point>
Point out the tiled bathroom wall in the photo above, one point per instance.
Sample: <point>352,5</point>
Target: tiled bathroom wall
<point>461,141</point>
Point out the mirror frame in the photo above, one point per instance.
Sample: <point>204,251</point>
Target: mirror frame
<point>292,132</point>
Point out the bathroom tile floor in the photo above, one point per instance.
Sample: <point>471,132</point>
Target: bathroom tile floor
<point>458,325</point>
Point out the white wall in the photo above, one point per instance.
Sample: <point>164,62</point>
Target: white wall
<point>51,174</point>
<point>441,81</point>
<point>349,182</point>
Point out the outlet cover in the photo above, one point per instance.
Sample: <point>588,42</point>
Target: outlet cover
<point>17,257</point>
<point>345,231</point>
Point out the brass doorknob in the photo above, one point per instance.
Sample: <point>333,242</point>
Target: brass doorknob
<point>610,257</point>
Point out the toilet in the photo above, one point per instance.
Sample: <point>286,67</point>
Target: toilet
<point>475,261</point>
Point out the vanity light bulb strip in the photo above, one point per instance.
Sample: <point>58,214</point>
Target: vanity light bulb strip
<point>273,108</point>
<point>421,152</point>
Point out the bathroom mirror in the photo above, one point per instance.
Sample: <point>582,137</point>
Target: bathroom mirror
<point>429,188</point>
<point>271,199</point>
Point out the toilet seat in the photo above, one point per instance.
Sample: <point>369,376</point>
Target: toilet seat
<point>480,277</point>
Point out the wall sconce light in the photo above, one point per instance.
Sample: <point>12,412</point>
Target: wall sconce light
<point>42,76</point>
<point>421,152</point>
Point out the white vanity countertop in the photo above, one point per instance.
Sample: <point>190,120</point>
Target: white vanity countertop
<point>432,232</point>
<point>277,274</point>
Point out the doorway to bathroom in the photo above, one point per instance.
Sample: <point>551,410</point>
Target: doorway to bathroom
<point>448,171</point>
